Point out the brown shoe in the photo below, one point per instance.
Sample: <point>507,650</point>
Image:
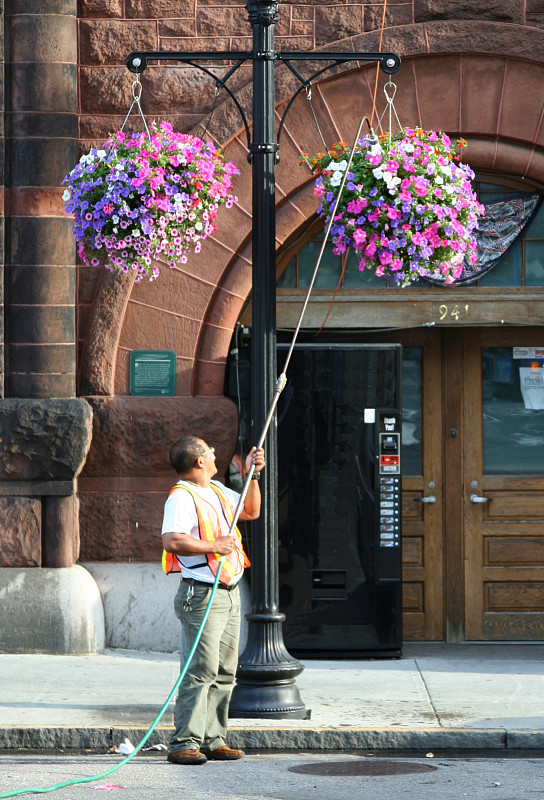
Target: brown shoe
<point>224,753</point>
<point>187,757</point>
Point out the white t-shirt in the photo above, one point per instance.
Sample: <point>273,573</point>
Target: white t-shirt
<point>180,517</point>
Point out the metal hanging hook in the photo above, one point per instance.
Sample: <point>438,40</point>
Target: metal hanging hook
<point>308,90</point>
<point>390,90</point>
<point>136,96</point>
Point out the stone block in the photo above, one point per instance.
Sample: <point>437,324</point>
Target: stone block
<point>159,9</point>
<point>177,28</point>
<point>20,532</point>
<point>50,358</point>
<point>110,41</point>
<point>337,22</point>
<point>49,37</point>
<point>42,385</point>
<point>135,596</point>
<point>132,435</point>
<point>43,439</point>
<point>150,328</point>
<point>38,161</point>
<point>41,87</point>
<point>395,15</point>
<point>495,10</point>
<point>302,12</point>
<point>101,9</point>
<point>39,7</point>
<point>50,611</point>
<point>302,28</point>
<point>41,240</point>
<point>220,21</point>
<point>295,42</point>
<point>122,526</point>
<point>41,324</point>
<point>41,285</point>
<point>105,91</point>
<point>41,123</point>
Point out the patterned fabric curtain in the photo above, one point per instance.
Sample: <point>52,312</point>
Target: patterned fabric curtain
<point>503,223</point>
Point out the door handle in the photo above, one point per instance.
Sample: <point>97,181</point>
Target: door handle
<point>430,499</point>
<point>475,499</point>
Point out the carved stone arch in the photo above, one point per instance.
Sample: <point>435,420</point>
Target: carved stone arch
<point>442,89</point>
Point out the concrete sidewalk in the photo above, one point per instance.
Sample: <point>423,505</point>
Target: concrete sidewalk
<point>436,697</point>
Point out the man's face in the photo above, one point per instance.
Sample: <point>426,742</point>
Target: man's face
<point>208,460</point>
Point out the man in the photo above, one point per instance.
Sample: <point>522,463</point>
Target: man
<point>197,519</point>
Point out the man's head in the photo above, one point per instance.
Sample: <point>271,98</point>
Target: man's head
<point>191,453</point>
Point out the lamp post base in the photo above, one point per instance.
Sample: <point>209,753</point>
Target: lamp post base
<point>278,700</point>
<point>265,681</point>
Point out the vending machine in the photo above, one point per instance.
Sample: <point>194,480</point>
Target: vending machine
<point>339,500</point>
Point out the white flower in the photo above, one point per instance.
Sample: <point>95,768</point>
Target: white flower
<point>101,153</point>
<point>446,169</point>
<point>135,232</point>
<point>115,219</point>
<point>338,165</point>
<point>439,179</point>
<point>408,147</point>
<point>198,226</point>
<point>336,179</point>
<point>378,173</point>
<point>66,195</point>
<point>391,180</point>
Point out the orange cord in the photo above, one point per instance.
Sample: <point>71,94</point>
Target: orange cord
<point>344,263</point>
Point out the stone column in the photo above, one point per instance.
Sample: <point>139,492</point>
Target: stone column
<point>40,284</point>
<point>41,141</point>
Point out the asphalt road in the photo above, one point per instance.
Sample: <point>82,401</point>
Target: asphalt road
<point>294,776</point>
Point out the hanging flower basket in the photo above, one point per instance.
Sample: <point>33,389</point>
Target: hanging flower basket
<point>407,209</point>
<point>141,199</point>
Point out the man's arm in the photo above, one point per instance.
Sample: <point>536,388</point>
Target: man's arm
<point>252,501</point>
<point>182,544</point>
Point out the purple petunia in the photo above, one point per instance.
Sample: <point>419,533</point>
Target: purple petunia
<point>128,197</point>
<point>418,202</point>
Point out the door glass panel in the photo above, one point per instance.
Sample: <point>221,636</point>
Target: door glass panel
<point>412,462</point>
<point>513,411</point>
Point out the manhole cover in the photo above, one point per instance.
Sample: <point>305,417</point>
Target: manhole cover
<point>362,768</point>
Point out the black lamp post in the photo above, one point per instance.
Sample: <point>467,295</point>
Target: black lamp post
<point>265,682</point>
<point>266,676</point>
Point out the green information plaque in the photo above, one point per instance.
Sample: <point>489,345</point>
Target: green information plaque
<point>152,373</point>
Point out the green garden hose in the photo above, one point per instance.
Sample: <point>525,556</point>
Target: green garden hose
<point>151,729</point>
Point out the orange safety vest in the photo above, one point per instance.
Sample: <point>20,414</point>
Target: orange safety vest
<point>209,530</point>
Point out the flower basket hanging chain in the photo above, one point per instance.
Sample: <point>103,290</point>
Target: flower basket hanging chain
<point>147,197</point>
<point>407,209</point>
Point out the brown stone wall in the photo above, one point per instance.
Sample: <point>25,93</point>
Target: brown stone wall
<point>192,310</point>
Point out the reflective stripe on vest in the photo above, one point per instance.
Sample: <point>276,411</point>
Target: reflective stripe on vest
<point>209,529</point>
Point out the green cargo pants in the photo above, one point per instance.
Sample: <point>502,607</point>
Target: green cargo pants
<point>202,704</point>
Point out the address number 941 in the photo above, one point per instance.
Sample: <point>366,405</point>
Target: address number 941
<point>452,313</point>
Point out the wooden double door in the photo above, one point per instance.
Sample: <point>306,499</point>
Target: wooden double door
<point>473,486</point>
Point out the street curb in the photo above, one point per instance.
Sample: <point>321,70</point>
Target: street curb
<point>277,739</point>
